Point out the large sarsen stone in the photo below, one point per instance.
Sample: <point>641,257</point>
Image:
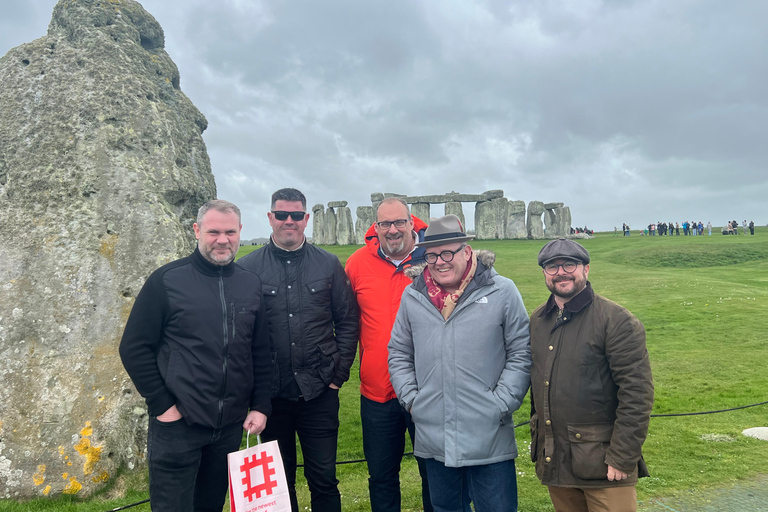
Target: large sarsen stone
<point>102,170</point>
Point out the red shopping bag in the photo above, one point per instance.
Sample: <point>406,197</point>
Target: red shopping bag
<point>257,479</point>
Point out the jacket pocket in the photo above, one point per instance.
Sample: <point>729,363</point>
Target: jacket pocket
<point>243,319</point>
<point>328,355</point>
<point>320,293</point>
<point>589,444</point>
<point>534,424</point>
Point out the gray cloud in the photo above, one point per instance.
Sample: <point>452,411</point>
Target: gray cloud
<point>626,111</point>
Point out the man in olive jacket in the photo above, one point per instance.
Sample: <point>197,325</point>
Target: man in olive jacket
<point>591,389</point>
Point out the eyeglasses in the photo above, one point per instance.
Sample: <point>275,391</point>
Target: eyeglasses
<point>283,215</point>
<point>553,268</point>
<point>399,223</point>
<point>446,256</point>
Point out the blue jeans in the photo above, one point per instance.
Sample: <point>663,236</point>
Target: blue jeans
<point>493,487</point>
<point>188,465</point>
<point>316,423</point>
<point>384,426</point>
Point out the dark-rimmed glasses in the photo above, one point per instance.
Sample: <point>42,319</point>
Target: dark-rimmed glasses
<point>283,215</point>
<point>399,223</point>
<point>569,267</point>
<point>446,256</point>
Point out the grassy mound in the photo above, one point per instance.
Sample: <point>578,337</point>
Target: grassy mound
<point>690,256</point>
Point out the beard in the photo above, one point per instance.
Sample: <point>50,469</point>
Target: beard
<point>579,283</point>
<point>393,245</point>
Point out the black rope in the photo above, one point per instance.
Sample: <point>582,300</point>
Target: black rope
<point>409,454</point>
<point>707,412</point>
<point>129,506</point>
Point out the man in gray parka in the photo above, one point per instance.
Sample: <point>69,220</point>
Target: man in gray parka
<point>459,361</point>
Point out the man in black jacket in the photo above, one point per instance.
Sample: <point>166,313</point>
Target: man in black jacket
<point>196,347</point>
<point>313,330</point>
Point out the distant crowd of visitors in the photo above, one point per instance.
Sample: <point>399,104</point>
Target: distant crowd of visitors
<point>585,229</point>
<point>692,228</point>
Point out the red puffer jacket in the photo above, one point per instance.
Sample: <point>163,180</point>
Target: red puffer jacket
<point>378,286</point>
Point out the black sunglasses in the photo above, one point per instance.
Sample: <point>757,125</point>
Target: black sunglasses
<point>283,215</point>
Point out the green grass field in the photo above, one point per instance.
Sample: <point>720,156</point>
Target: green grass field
<point>702,301</point>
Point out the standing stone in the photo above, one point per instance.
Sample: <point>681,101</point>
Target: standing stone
<point>564,221</point>
<point>454,208</point>
<point>491,219</point>
<point>318,224</point>
<point>421,211</point>
<point>345,229</point>
<point>533,221</point>
<point>102,170</point>
<point>329,233</point>
<point>376,199</point>
<point>550,223</point>
<point>364,222</point>
<point>516,220</point>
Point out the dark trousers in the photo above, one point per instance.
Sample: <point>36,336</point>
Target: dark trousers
<point>493,487</point>
<point>188,465</point>
<point>384,427</point>
<point>316,423</point>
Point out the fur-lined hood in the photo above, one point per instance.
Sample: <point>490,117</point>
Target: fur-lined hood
<point>484,256</point>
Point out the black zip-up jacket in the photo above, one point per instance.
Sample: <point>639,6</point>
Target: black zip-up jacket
<point>313,318</point>
<point>197,338</point>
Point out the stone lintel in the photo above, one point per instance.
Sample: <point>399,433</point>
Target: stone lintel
<point>552,206</point>
<point>337,204</point>
<point>318,207</point>
<point>493,194</point>
<point>448,198</point>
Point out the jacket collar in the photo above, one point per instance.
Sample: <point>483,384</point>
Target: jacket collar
<point>576,304</point>
<point>282,253</point>
<point>209,269</point>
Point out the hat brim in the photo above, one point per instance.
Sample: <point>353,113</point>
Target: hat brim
<point>550,260</point>
<point>445,241</point>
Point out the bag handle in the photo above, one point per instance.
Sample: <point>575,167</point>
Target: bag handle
<point>248,438</point>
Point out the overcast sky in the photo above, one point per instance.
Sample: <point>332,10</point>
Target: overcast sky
<point>626,111</point>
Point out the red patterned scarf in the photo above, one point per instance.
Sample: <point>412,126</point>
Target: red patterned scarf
<point>446,302</point>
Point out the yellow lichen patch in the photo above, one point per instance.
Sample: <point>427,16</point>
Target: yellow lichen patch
<point>39,477</point>
<point>107,246</point>
<point>87,429</point>
<point>69,463</point>
<point>64,475</point>
<point>73,487</point>
<point>92,454</point>
<point>61,451</point>
<point>47,490</point>
<point>102,477</point>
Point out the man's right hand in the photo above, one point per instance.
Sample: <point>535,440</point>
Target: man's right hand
<point>172,414</point>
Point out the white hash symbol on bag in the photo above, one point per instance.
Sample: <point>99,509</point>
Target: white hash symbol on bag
<point>264,461</point>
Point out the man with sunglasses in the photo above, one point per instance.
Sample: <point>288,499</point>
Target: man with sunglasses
<point>313,330</point>
<point>591,389</point>
<point>459,360</point>
<point>378,275</point>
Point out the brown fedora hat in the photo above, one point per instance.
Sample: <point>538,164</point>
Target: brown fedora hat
<point>445,230</point>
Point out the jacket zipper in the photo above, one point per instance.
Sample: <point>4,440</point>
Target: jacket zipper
<point>226,346</point>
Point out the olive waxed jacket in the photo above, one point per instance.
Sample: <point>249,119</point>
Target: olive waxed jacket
<point>591,391</point>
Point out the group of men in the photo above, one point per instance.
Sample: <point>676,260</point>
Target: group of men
<point>447,354</point>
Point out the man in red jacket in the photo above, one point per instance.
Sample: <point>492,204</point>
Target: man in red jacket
<point>376,272</point>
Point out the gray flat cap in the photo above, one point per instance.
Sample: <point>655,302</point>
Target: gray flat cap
<point>563,248</point>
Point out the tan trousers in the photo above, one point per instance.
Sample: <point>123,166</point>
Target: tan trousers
<point>606,499</point>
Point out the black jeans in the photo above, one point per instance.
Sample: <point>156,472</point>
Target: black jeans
<point>384,426</point>
<point>317,424</point>
<point>188,465</point>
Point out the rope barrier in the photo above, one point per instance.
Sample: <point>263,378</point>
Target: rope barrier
<point>410,454</point>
